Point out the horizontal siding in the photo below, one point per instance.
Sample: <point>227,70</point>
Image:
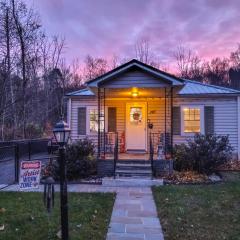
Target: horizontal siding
<point>75,104</point>
<point>135,79</point>
<point>225,117</point>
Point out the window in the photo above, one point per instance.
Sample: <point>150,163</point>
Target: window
<point>93,121</point>
<point>192,119</point>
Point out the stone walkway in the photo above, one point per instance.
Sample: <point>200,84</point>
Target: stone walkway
<point>134,215</point>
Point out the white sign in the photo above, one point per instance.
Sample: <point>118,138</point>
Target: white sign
<point>30,174</point>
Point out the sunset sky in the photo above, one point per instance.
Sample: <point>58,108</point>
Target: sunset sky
<point>103,28</point>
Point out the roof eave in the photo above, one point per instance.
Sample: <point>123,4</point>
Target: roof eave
<point>208,95</point>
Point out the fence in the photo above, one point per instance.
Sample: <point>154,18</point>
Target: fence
<point>13,152</point>
<point>29,147</point>
<point>8,165</point>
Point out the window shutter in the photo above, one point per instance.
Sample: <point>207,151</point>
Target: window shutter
<point>82,121</point>
<point>209,119</point>
<point>112,119</point>
<point>176,114</point>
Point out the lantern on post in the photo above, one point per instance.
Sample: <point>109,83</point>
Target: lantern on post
<point>61,133</point>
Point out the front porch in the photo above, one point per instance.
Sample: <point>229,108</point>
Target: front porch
<point>134,128</point>
<point>135,134</point>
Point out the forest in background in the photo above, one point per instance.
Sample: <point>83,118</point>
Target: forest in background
<point>34,75</point>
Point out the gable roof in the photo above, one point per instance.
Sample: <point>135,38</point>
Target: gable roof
<point>193,87</point>
<point>134,63</point>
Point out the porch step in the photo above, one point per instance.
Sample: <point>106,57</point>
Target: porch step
<point>133,169</point>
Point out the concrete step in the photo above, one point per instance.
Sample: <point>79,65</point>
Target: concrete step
<point>133,165</point>
<point>133,171</point>
<point>133,161</point>
<point>133,168</point>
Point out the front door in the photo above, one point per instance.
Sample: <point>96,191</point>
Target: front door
<point>136,126</point>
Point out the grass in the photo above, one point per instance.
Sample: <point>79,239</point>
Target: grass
<point>199,212</point>
<point>25,217</point>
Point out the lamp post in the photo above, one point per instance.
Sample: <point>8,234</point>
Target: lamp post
<point>61,133</point>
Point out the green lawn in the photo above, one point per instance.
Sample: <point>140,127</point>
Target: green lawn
<point>199,212</point>
<point>25,217</point>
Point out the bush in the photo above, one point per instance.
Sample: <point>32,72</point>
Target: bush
<point>202,154</point>
<point>80,161</point>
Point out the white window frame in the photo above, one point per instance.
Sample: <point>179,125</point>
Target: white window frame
<point>201,107</point>
<point>89,108</point>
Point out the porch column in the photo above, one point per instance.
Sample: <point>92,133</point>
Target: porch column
<point>165,120</point>
<point>171,121</point>
<point>99,147</point>
<point>101,122</point>
<point>238,123</point>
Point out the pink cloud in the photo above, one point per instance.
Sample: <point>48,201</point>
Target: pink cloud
<point>105,27</point>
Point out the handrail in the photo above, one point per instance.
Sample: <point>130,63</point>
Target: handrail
<point>115,155</point>
<point>151,152</point>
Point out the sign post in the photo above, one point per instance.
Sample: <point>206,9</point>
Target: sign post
<point>29,174</point>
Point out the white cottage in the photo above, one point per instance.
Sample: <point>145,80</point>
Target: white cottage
<point>138,112</point>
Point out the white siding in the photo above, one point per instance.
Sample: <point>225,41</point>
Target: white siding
<point>135,78</point>
<point>75,104</point>
<point>225,116</point>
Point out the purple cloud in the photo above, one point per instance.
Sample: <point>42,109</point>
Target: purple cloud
<point>103,28</point>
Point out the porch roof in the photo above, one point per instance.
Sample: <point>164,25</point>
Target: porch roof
<point>161,75</point>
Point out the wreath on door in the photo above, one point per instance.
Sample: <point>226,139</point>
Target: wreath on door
<point>136,116</point>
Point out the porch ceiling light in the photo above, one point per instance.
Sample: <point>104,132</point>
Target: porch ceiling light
<point>135,92</point>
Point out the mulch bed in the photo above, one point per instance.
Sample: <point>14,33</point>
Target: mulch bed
<point>231,165</point>
<point>188,177</point>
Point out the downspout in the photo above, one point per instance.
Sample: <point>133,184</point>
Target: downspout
<point>69,112</point>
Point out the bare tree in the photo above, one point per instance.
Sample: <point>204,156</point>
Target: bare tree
<point>189,65</point>
<point>235,58</point>
<point>94,67</point>
<point>26,24</point>
<point>217,71</point>
<point>142,51</point>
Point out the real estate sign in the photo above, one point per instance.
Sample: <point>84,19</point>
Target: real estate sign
<point>29,174</point>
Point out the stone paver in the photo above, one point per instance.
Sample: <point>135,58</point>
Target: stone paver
<point>134,215</point>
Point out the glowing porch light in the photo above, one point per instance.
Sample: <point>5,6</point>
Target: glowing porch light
<point>135,92</point>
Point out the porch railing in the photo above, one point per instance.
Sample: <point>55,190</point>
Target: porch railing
<point>159,144</point>
<point>115,154</point>
<point>151,151</point>
<point>107,148</point>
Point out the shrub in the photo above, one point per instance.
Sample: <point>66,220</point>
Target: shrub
<point>202,154</point>
<point>80,161</point>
